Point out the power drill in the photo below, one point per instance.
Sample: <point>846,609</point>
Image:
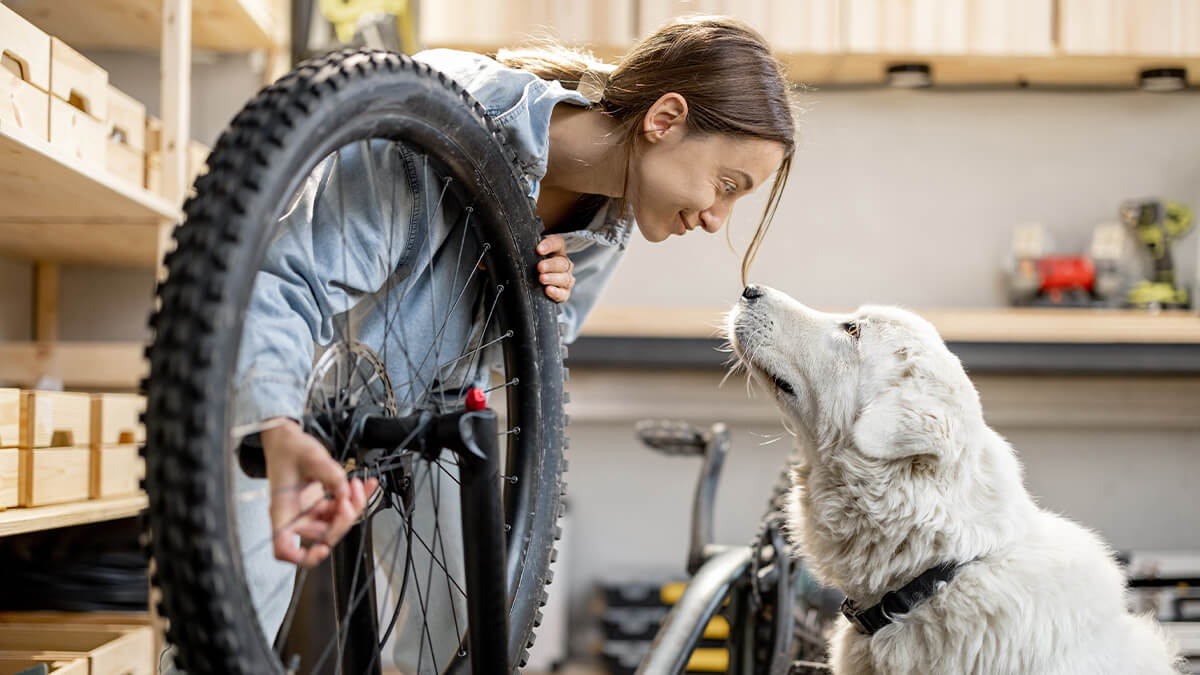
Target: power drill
<point>1157,225</point>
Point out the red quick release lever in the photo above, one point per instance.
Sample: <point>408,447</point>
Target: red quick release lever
<point>476,400</point>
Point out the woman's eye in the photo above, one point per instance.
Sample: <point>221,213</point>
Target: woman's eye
<point>730,187</point>
<point>851,329</point>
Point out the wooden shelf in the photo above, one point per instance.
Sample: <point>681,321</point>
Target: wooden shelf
<point>219,25</point>
<point>824,68</point>
<point>1001,324</point>
<point>1052,69</point>
<point>17,521</point>
<point>41,184</point>
<point>85,365</point>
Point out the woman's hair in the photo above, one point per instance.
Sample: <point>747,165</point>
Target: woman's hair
<point>721,66</point>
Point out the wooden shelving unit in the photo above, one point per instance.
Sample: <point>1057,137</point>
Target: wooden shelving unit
<point>89,365</point>
<point>976,69</point>
<point>220,25</point>
<point>1001,324</point>
<point>18,521</point>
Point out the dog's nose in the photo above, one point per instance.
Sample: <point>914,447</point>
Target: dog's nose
<point>752,292</point>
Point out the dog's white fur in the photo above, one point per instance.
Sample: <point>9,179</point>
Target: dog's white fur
<point>897,472</point>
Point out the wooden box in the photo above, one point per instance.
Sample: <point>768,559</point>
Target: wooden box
<point>126,163</point>
<point>13,666</point>
<point>108,650</point>
<point>30,47</point>
<point>76,80</point>
<point>55,461</point>
<point>24,77</point>
<point>116,470</point>
<point>55,419</point>
<point>115,419</point>
<point>54,475</point>
<point>126,121</point>
<point>77,133</point>
<point>10,475</point>
<point>10,418</point>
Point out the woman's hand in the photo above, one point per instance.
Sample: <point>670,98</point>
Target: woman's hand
<point>556,271</point>
<point>310,494</point>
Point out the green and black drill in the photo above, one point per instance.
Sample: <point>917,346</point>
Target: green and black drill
<point>1157,225</point>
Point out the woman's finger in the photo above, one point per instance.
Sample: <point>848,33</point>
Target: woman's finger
<point>563,280</point>
<point>559,263</point>
<point>551,244</point>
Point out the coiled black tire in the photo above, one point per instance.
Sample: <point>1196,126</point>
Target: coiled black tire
<point>258,163</point>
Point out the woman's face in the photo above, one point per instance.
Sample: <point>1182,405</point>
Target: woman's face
<point>679,181</point>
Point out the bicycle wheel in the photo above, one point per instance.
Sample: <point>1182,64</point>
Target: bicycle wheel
<point>398,325</point>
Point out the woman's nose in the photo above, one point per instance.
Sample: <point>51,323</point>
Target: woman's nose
<point>714,217</point>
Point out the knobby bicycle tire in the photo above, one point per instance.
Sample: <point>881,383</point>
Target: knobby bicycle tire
<point>257,163</point>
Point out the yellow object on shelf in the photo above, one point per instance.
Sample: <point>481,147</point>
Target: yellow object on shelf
<point>709,660</point>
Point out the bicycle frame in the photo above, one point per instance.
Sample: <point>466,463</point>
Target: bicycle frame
<point>719,572</point>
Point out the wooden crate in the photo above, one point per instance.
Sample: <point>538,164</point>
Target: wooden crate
<point>115,419</point>
<point>54,475</point>
<point>10,418</point>
<point>108,650</point>
<point>10,477</point>
<point>76,80</point>
<point>55,419</point>
<point>77,133</point>
<point>116,470</point>
<point>126,163</point>
<point>126,121</point>
<point>78,666</point>
<point>24,97</point>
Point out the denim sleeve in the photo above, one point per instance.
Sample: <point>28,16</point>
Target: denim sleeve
<point>349,226</point>
<point>594,266</point>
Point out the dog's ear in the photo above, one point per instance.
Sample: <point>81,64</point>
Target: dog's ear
<point>906,423</point>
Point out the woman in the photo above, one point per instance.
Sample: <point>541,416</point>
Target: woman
<point>692,119</point>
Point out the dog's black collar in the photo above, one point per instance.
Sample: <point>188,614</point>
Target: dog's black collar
<point>900,601</point>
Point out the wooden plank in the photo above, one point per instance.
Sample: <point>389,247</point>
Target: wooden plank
<point>10,417</point>
<point>16,521</point>
<point>956,325</point>
<point>10,476</point>
<point>29,166</point>
<point>176,96</point>
<point>91,365</point>
<point>1117,71</point>
<point>45,301</point>
<point>220,25</point>
<point>114,244</point>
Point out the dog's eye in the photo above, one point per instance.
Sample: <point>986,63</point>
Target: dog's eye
<point>851,329</point>
<point>783,386</point>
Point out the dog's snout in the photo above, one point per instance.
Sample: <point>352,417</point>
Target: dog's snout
<point>752,292</point>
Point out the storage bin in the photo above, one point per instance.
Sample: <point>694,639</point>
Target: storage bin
<point>76,80</point>
<point>77,134</point>
<point>116,470</point>
<point>24,77</point>
<point>108,650</point>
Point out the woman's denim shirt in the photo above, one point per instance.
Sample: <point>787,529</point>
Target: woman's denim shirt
<point>316,271</point>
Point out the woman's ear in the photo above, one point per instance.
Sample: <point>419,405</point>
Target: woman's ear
<point>667,117</point>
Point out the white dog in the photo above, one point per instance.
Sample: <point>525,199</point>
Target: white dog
<point>905,500</point>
